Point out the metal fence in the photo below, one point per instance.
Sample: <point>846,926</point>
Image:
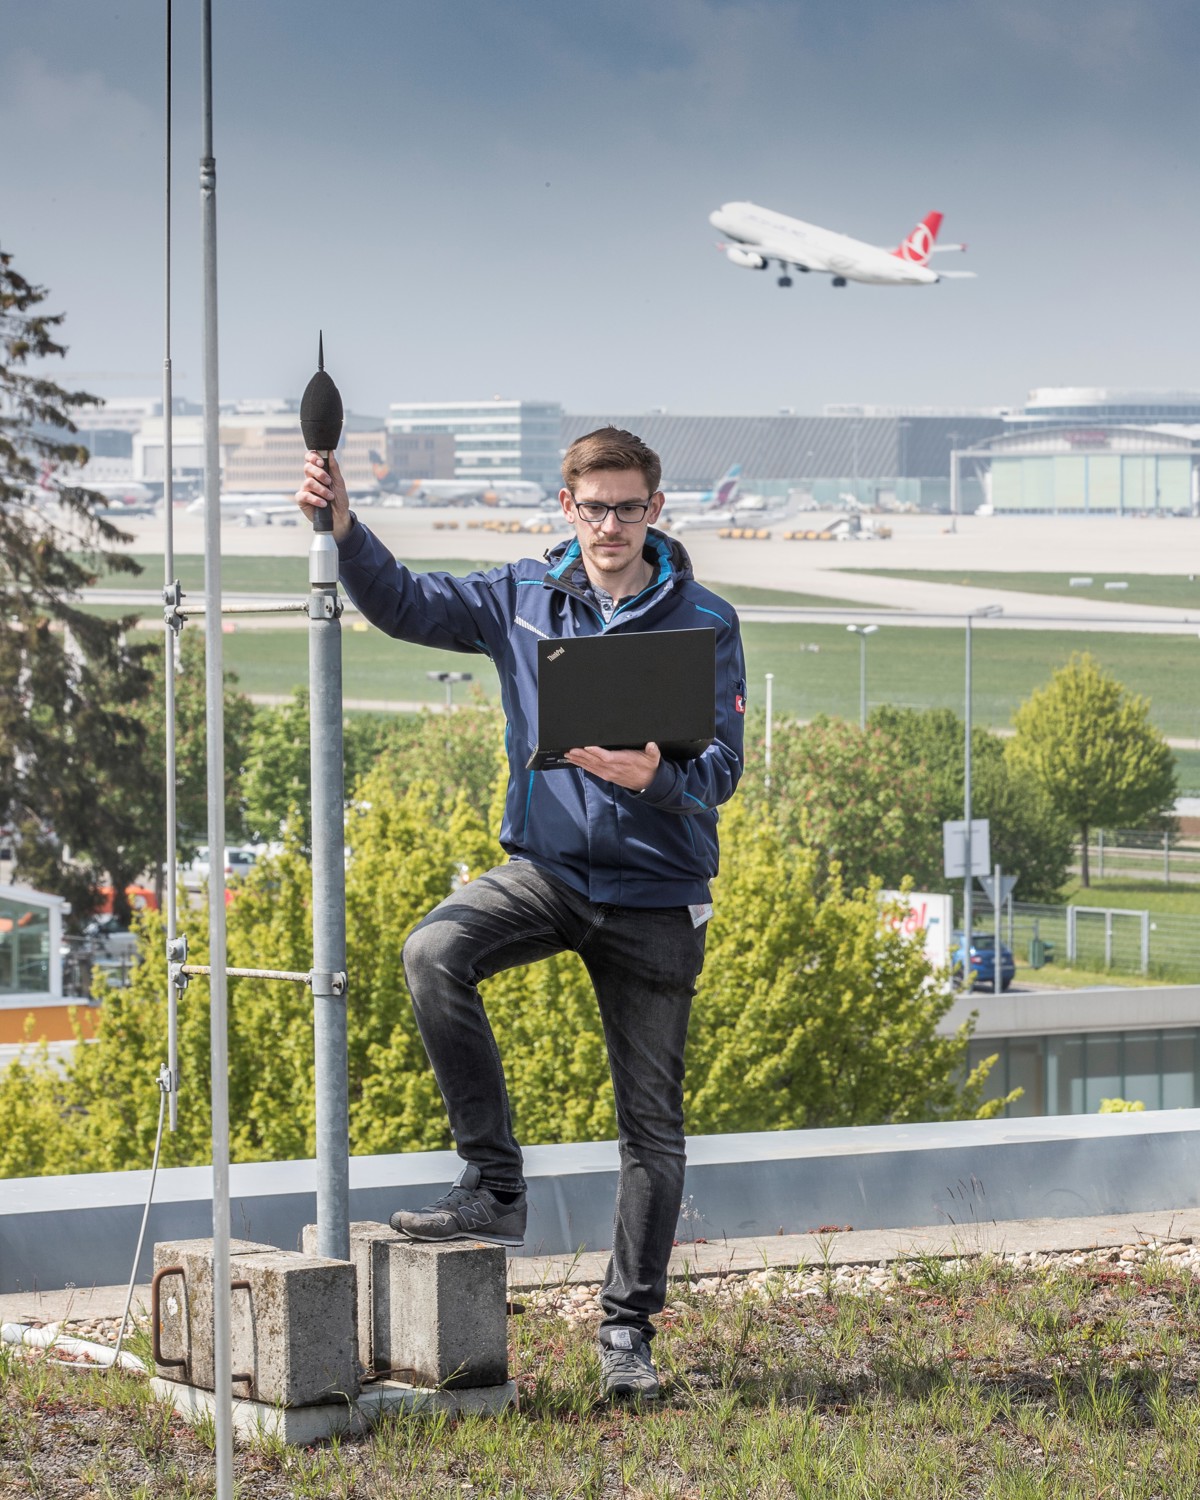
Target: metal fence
<point>1133,851</point>
<point>1118,940</point>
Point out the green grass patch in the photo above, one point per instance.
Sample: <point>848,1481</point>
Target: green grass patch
<point>816,668</point>
<point>1187,765</point>
<point>286,575</point>
<point>246,575</point>
<point>1134,895</point>
<point>1174,591</point>
<point>965,1379</point>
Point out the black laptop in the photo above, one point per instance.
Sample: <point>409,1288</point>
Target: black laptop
<point>624,689</point>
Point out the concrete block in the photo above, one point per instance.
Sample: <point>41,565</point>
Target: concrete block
<point>370,1254</point>
<point>434,1315</point>
<point>253,1420</point>
<point>298,1345</point>
<point>186,1306</point>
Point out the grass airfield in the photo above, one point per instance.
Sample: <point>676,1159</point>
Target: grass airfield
<point>1146,635</point>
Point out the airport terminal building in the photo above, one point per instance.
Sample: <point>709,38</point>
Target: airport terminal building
<point>1067,451</point>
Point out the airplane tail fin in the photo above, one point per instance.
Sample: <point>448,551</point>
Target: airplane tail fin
<point>919,245</point>
<point>724,492</point>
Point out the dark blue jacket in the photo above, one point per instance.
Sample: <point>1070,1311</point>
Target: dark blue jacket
<point>654,848</point>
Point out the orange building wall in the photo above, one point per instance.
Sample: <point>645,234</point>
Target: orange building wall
<point>51,1023</point>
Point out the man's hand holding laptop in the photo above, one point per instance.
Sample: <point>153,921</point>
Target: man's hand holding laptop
<point>633,769</point>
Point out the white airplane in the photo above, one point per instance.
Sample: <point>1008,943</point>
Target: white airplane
<point>760,235</point>
<point>720,496</point>
<point>452,491</point>
<point>250,508</point>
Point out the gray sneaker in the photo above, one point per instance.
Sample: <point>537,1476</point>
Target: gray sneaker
<point>467,1212</point>
<point>626,1368</point>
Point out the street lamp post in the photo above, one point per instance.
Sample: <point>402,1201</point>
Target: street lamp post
<point>450,678</point>
<point>767,739</point>
<point>862,632</point>
<point>989,611</point>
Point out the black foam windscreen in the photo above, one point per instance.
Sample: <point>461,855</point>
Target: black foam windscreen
<point>321,407</point>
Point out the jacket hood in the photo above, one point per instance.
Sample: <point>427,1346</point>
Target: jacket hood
<point>668,555</point>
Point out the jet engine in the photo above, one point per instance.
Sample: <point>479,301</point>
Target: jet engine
<point>747,258</point>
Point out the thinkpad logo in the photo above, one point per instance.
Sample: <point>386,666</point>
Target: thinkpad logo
<point>554,655</point>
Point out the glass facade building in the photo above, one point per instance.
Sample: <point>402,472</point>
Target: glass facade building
<point>493,440</point>
<point>1069,1074</point>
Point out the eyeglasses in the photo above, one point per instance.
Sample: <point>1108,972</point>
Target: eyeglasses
<point>596,513</point>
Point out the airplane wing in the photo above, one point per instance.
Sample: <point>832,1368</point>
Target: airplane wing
<point>957,275</point>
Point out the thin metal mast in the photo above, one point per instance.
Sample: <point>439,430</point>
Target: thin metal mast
<point>170,630</point>
<point>214,689</point>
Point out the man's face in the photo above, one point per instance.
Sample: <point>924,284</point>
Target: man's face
<point>611,546</point>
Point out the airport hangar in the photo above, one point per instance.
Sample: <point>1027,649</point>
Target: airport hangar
<point>1069,450</point>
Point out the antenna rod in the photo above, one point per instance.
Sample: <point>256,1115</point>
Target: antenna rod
<point>214,690</point>
<point>170,636</point>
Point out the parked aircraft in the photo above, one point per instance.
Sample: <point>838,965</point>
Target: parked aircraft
<point>454,491</point>
<point>687,509</point>
<point>760,235</point>
<point>252,509</point>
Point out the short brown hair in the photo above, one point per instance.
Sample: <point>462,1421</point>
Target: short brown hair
<point>610,448</point>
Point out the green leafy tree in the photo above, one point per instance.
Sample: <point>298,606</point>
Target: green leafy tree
<point>812,1011</point>
<point>458,749</point>
<point>1092,748</point>
<point>1028,836</point>
<point>851,796</point>
<point>67,749</point>
<point>147,794</point>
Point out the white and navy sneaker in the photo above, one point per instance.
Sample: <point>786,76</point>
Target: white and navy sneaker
<point>467,1212</point>
<point>626,1368</point>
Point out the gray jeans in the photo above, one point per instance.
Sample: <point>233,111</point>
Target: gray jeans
<point>643,963</point>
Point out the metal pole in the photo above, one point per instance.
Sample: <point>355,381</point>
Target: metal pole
<point>968,915</point>
<point>169,636</point>
<point>996,906</point>
<point>767,743</point>
<point>329,897</point>
<point>862,681</point>
<point>1166,858</point>
<point>1145,942</point>
<point>214,689</point>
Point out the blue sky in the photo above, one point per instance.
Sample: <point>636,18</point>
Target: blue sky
<point>477,198</point>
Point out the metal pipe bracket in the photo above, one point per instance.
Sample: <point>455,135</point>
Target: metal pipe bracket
<point>326,983</point>
<point>324,605</point>
<point>172,595</point>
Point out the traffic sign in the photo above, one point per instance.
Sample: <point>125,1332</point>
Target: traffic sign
<point>988,882</point>
<point>954,846</point>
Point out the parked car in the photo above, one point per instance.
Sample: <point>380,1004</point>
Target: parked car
<point>238,862</point>
<point>983,962</point>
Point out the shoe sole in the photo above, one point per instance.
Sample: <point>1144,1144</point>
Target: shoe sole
<point>507,1240</point>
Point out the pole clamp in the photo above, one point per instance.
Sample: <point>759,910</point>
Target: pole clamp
<point>324,982</point>
<point>324,605</point>
<point>166,1081</point>
<point>172,598</point>
<point>177,952</point>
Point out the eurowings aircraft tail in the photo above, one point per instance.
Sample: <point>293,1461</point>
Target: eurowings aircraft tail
<point>724,492</point>
<point>918,247</point>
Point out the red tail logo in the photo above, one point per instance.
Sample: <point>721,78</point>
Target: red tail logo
<point>918,245</point>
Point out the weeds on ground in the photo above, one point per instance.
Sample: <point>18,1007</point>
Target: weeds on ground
<point>963,1379</point>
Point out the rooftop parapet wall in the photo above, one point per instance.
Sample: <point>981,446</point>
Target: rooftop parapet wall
<point>62,1231</point>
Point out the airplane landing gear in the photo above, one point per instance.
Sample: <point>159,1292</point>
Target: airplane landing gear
<point>785,281</point>
<point>839,281</point>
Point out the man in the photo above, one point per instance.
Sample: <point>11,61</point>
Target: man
<point>610,857</point>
